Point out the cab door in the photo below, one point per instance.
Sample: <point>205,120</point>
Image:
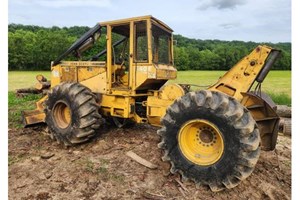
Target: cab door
<point>119,55</point>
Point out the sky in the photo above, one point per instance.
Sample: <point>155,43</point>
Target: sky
<point>244,20</point>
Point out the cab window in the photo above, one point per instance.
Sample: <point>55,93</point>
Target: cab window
<point>161,47</point>
<point>141,42</point>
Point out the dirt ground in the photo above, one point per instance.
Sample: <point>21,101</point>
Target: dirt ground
<point>39,168</point>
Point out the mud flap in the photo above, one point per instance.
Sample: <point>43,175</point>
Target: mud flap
<point>263,110</point>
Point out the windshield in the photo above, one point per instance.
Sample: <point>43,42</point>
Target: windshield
<point>161,45</point>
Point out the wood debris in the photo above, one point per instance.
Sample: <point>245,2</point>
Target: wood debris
<point>284,111</point>
<point>41,87</point>
<point>153,196</point>
<point>285,126</point>
<point>181,185</point>
<point>182,192</point>
<point>140,160</point>
<point>47,155</point>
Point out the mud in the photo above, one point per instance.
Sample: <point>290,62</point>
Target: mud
<point>40,168</point>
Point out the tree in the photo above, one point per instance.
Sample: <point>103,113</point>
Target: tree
<point>181,58</point>
<point>49,46</point>
<point>209,60</point>
<point>194,58</point>
<point>21,50</point>
<point>34,47</point>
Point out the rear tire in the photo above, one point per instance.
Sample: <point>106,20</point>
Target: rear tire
<point>72,113</point>
<point>211,139</point>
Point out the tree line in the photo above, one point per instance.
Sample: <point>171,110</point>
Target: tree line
<point>34,47</point>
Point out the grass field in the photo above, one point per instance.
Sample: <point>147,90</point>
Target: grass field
<point>16,105</point>
<point>278,82</point>
<point>24,79</point>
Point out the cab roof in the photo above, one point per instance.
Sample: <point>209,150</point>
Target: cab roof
<point>127,20</point>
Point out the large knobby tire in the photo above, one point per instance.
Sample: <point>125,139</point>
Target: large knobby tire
<point>72,114</point>
<point>210,138</point>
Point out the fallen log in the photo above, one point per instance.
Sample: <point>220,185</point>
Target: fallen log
<point>42,85</point>
<point>41,78</point>
<point>22,95</point>
<point>285,126</point>
<point>284,111</point>
<point>28,90</point>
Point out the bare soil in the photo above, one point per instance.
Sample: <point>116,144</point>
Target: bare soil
<point>40,168</point>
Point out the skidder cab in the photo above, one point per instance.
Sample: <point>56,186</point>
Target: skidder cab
<point>212,136</point>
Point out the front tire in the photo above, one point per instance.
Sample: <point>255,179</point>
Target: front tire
<point>72,113</point>
<point>210,138</point>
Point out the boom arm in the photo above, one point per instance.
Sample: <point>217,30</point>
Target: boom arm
<point>82,43</point>
<point>253,67</point>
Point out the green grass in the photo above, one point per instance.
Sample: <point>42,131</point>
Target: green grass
<point>101,169</point>
<point>18,80</point>
<point>24,79</point>
<point>201,78</point>
<point>16,105</point>
<point>277,84</point>
<point>281,98</point>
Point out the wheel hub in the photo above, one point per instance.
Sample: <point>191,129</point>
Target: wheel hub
<point>206,136</point>
<point>62,114</point>
<point>201,142</point>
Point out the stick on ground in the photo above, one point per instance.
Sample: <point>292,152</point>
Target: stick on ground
<point>140,160</point>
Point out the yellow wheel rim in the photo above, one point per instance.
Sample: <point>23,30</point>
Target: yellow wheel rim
<point>62,114</point>
<point>201,142</point>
